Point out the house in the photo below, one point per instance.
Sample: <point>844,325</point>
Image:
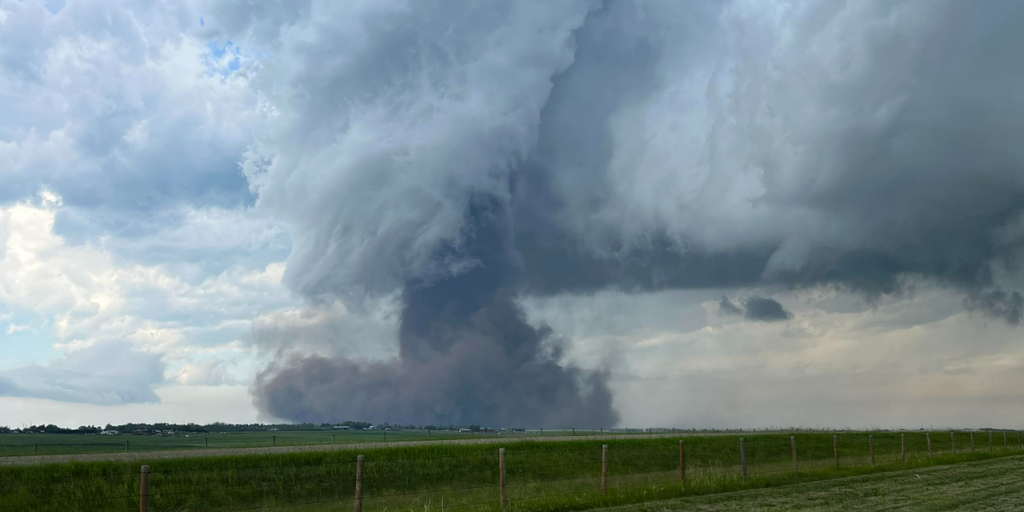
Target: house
<point>464,431</point>
<point>109,433</point>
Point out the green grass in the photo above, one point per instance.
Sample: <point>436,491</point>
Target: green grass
<point>543,476</point>
<point>60,444</point>
<point>990,485</point>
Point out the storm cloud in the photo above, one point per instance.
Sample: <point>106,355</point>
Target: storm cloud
<point>758,309</point>
<point>464,158</point>
<point>766,310</point>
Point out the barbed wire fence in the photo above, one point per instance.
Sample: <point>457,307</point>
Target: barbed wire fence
<point>519,477</point>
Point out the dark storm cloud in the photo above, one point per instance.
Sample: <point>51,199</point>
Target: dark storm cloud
<point>998,303</point>
<point>627,145</point>
<point>765,309</point>
<point>727,308</point>
<point>758,309</point>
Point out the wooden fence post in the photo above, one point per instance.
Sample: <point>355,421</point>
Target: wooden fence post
<point>385,436</point>
<point>501,476</point>
<point>574,431</point>
<point>1018,440</point>
<point>604,468</point>
<point>333,440</point>
<point>35,447</point>
<point>952,442</point>
<point>682,462</point>
<point>1005,443</point>
<point>359,483</point>
<point>743,457</point>
<point>144,489</point>
<point>871,443</point>
<point>903,447</point>
<point>989,441</point>
<point>835,448</point>
<point>972,440</point>
<point>126,445</point>
<point>792,447</point>
<point>928,437</point>
<point>206,442</point>
<point>273,440</point>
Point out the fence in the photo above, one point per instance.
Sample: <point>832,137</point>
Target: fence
<point>520,475</point>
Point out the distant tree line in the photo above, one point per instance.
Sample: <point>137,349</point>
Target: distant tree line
<point>224,427</point>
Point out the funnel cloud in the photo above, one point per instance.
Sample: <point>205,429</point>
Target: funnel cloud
<point>465,158</point>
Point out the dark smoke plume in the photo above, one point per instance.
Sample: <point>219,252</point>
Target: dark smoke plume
<point>467,356</point>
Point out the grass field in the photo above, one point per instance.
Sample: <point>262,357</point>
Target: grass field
<point>543,476</point>
<point>985,485</point>
<point>59,444</point>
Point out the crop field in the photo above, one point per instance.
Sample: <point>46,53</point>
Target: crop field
<point>542,476</point>
<point>12,445</point>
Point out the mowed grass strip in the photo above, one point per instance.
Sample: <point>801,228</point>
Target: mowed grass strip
<point>552,475</point>
<point>16,445</point>
<point>61,444</point>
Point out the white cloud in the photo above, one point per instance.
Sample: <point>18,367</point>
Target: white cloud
<point>207,372</point>
<point>177,403</point>
<point>105,374</point>
<point>97,304</point>
<point>117,103</point>
<point>14,328</point>
<point>841,361</point>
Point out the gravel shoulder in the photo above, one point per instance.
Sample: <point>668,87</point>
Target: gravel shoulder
<point>224,452</point>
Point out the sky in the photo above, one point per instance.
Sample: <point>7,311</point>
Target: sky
<point>709,214</point>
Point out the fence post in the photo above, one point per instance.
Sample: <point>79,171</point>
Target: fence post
<point>385,436</point>
<point>144,489</point>
<point>871,443</point>
<point>501,476</point>
<point>952,442</point>
<point>1005,443</point>
<point>972,440</point>
<point>35,447</point>
<point>206,442</point>
<point>835,448</point>
<point>928,437</point>
<point>126,445</point>
<point>333,440</point>
<point>574,431</point>
<point>682,462</point>
<point>273,440</point>
<point>903,447</point>
<point>743,457</point>
<point>1018,440</point>
<point>359,483</point>
<point>792,447</point>
<point>604,468</point>
<point>989,441</point>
